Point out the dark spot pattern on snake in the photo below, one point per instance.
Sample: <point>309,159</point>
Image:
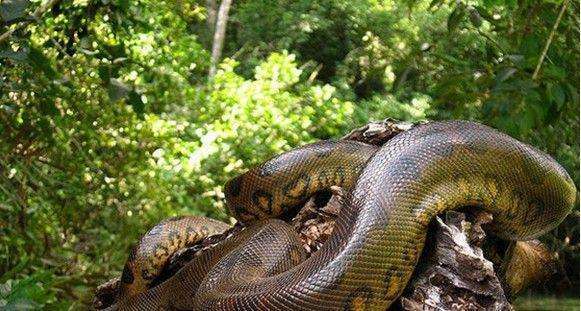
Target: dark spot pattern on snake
<point>299,187</point>
<point>358,299</point>
<point>476,148</point>
<point>325,178</point>
<point>339,176</point>
<point>262,199</point>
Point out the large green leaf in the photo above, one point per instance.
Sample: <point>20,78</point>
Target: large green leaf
<point>456,17</point>
<point>12,9</point>
<point>40,62</point>
<point>556,94</point>
<point>19,55</point>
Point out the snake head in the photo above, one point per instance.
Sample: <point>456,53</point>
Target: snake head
<point>236,199</point>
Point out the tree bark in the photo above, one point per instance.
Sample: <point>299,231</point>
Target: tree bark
<point>219,34</point>
<point>455,275</point>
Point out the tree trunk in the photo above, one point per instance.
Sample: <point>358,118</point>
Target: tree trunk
<point>454,274</point>
<point>210,21</point>
<point>219,34</point>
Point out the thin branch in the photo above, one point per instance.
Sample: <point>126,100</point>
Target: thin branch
<point>550,39</point>
<point>17,20</point>
<point>59,47</point>
<point>8,33</point>
<point>53,165</point>
<point>240,51</point>
<point>314,74</point>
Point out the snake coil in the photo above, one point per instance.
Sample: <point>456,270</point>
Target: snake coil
<point>395,191</point>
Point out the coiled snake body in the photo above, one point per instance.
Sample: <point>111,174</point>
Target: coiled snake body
<point>396,191</point>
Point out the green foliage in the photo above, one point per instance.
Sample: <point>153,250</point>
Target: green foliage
<point>29,293</point>
<point>109,123</point>
<point>547,303</point>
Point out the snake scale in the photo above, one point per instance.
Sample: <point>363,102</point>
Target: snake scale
<point>394,192</point>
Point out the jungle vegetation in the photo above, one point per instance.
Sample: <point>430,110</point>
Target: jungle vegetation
<point>116,114</point>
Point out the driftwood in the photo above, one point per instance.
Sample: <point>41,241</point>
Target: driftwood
<point>453,272</point>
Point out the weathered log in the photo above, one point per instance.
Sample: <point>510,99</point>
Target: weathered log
<point>454,275</point>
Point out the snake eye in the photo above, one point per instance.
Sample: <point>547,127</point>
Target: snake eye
<point>238,210</point>
<point>233,187</point>
<point>127,275</point>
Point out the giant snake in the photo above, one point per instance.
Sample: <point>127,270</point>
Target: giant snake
<point>394,192</point>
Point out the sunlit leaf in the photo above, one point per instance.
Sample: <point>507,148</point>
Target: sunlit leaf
<point>436,3</point>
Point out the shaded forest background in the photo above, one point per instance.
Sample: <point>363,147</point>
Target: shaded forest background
<point>110,122</point>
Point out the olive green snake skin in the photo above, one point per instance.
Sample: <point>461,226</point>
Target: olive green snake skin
<point>395,191</point>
